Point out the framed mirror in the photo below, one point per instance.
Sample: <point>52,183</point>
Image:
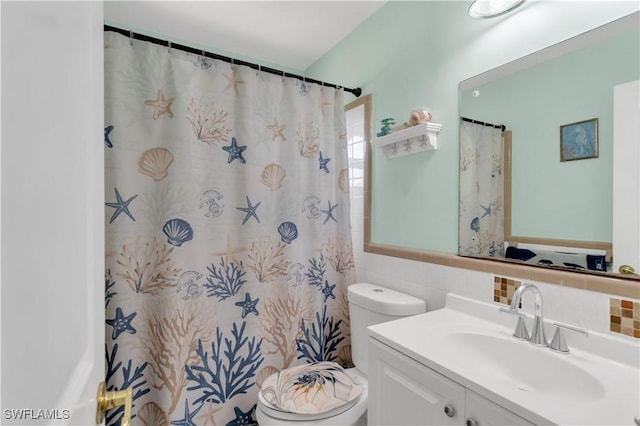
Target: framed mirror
<point>537,153</point>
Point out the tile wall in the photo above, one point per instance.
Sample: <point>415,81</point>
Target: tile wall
<point>503,289</point>
<point>625,317</point>
<point>594,311</point>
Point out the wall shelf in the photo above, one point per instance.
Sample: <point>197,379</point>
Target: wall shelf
<point>423,137</point>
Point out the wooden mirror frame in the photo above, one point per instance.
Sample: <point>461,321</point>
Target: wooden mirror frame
<point>613,285</point>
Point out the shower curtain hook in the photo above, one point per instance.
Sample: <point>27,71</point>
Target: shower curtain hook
<point>131,38</point>
<point>233,64</point>
<point>169,46</point>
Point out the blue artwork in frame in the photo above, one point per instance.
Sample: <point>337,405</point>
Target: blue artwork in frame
<point>579,140</point>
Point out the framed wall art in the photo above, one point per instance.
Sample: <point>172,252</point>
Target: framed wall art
<point>579,140</point>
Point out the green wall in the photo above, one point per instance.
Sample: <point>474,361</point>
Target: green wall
<point>414,54</point>
<point>567,200</point>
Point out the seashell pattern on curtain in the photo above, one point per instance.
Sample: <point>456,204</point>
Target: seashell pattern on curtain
<point>228,246</point>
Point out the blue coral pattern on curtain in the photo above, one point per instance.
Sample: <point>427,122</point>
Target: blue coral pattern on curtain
<point>228,247</point>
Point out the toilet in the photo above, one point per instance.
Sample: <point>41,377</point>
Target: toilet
<point>368,305</point>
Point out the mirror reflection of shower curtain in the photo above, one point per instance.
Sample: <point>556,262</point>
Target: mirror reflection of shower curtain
<point>481,221</point>
<point>228,243</point>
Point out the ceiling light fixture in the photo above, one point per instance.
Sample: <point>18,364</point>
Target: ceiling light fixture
<point>491,8</point>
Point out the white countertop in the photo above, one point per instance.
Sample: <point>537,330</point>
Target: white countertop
<point>597,383</point>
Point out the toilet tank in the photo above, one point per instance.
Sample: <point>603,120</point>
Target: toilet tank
<point>372,304</point>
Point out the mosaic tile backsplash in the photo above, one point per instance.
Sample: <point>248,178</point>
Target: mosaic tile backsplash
<point>503,289</point>
<point>624,314</point>
<point>625,317</point>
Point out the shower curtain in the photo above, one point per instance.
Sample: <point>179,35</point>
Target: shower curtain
<point>481,224</point>
<point>228,247</point>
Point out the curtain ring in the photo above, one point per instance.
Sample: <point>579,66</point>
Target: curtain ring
<point>169,46</point>
<point>233,64</point>
<point>131,38</point>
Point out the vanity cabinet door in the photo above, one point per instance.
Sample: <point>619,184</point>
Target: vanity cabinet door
<point>480,412</point>
<point>404,392</point>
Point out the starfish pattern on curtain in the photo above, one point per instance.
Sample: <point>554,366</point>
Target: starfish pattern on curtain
<point>481,222</point>
<point>225,266</point>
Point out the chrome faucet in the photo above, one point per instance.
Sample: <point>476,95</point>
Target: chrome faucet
<point>538,337</point>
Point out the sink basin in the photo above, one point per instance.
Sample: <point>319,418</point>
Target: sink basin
<point>471,343</point>
<point>526,367</point>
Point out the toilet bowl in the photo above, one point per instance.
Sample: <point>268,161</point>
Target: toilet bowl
<point>368,305</point>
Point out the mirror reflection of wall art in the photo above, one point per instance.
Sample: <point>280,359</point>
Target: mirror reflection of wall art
<point>579,140</point>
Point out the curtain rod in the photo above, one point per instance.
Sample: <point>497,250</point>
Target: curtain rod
<point>133,35</point>
<point>497,126</point>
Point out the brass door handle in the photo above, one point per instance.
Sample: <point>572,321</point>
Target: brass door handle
<point>627,270</point>
<point>108,400</point>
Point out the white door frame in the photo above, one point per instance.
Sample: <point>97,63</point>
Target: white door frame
<point>626,175</point>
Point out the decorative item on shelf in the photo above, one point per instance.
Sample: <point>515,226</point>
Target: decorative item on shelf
<point>416,135</point>
<point>386,126</point>
<point>418,116</point>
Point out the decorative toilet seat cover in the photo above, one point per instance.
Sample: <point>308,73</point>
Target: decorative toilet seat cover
<point>317,390</point>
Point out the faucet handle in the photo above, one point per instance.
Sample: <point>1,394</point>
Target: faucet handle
<point>521,331</point>
<point>558,343</point>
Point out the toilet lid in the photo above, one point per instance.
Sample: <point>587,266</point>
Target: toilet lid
<point>276,413</point>
<point>311,391</point>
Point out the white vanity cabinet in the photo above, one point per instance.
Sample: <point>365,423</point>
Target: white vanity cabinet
<point>404,392</point>
<point>481,411</point>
